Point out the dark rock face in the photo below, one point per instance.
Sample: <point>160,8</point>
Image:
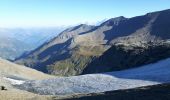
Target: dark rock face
<point>125,57</point>
<point>126,27</point>
<point>3,88</point>
<point>161,26</point>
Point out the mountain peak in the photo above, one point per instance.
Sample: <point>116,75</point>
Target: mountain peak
<point>83,26</point>
<point>114,21</point>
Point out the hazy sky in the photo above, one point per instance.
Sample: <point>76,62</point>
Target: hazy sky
<point>46,13</point>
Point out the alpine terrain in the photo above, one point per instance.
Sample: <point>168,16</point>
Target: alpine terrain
<point>46,53</point>
<point>117,44</point>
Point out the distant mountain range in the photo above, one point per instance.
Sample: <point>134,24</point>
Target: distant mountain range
<point>16,41</point>
<point>81,49</point>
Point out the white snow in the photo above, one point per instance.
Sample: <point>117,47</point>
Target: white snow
<point>151,74</point>
<point>14,81</point>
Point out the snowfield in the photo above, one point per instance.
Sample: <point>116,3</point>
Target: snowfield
<point>151,74</point>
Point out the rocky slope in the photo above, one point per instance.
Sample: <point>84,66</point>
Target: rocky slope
<point>122,57</point>
<point>61,53</point>
<point>75,49</point>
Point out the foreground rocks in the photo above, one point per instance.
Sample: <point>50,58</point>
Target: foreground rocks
<point>3,88</point>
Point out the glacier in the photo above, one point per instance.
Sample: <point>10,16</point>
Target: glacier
<point>151,74</point>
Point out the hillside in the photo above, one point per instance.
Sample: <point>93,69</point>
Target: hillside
<point>9,69</point>
<point>122,57</point>
<point>73,51</point>
<point>46,57</point>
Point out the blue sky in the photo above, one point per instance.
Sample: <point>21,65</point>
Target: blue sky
<point>47,13</point>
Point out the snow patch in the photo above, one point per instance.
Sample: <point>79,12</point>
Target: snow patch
<point>14,81</point>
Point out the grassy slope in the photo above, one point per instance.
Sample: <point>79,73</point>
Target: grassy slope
<point>80,57</point>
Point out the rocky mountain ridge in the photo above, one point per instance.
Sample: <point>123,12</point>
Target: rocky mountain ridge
<point>73,50</point>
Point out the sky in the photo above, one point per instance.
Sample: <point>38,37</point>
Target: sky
<point>52,13</point>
